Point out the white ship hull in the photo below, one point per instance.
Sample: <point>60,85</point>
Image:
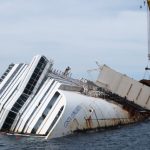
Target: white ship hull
<point>85,113</point>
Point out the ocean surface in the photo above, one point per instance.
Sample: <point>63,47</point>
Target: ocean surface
<point>129,137</point>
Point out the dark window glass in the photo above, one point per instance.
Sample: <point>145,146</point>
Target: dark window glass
<point>54,121</point>
<point>40,102</point>
<point>47,109</point>
<point>27,91</point>
<point>11,79</point>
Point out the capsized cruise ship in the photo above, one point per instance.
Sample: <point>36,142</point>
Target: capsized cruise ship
<point>38,100</point>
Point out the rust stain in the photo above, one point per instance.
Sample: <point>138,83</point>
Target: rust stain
<point>135,116</point>
<point>89,122</point>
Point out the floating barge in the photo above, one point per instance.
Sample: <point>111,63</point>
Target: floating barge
<point>36,100</point>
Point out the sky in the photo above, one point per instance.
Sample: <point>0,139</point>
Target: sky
<point>75,33</point>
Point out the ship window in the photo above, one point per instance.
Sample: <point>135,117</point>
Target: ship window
<point>27,91</point>
<point>37,125</point>
<point>9,120</point>
<point>9,97</point>
<point>35,76</point>
<point>47,109</point>
<point>11,79</point>
<point>6,72</point>
<point>40,101</point>
<point>54,121</point>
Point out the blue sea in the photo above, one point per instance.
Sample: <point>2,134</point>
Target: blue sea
<point>129,137</point>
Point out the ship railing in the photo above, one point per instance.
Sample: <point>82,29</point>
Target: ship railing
<point>60,76</point>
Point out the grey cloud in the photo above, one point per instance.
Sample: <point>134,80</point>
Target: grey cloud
<point>74,32</point>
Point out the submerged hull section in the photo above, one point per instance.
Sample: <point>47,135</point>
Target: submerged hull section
<point>85,113</point>
<point>34,100</point>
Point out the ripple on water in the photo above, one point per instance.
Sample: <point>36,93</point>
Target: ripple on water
<point>134,137</point>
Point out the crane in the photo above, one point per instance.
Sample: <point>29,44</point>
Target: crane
<point>148,12</point>
<point>148,27</point>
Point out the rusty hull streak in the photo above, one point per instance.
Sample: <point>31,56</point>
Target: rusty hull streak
<point>109,124</point>
<point>112,122</point>
<point>96,123</point>
<point>135,115</point>
<point>89,122</point>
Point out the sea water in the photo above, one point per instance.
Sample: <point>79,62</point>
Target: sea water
<point>129,137</point>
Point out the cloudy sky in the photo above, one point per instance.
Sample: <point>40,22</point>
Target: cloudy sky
<point>75,33</point>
